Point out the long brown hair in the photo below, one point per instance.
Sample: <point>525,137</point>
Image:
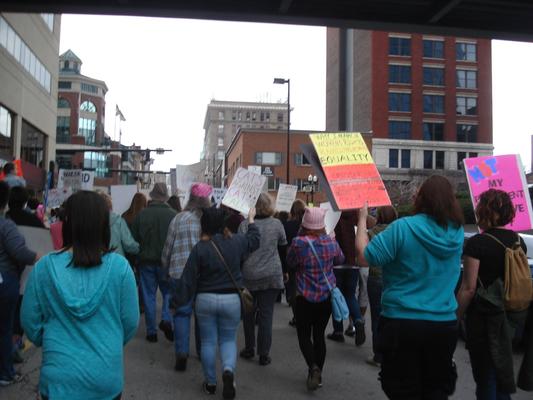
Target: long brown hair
<point>436,198</point>
<point>297,210</point>
<point>137,204</point>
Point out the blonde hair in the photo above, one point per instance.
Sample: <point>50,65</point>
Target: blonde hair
<point>265,205</point>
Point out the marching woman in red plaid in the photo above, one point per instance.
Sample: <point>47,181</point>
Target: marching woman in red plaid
<point>314,277</point>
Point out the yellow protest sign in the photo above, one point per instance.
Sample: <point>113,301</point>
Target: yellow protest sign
<point>335,149</point>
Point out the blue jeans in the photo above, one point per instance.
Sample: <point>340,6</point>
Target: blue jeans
<point>488,390</point>
<point>347,283</point>
<point>182,328</point>
<point>9,294</point>
<point>375,289</point>
<point>218,318</point>
<point>152,277</point>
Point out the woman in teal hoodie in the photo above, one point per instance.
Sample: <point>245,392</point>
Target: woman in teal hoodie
<point>421,259</point>
<point>81,306</point>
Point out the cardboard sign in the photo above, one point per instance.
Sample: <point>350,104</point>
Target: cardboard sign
<point>121,195</point>
<point>244,190</point>
<point>349,171</point>
<point>332,217</point>
<point>504,173</point>
<point>56,197</point>
<point>286,196</point>
<point>218,195</point>
<point>76,179</point>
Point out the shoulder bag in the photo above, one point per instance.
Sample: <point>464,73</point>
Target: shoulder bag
<point>339,308</point>
<point>247,300</point>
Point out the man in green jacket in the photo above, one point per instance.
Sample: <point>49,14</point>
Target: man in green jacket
<point>150,229</point>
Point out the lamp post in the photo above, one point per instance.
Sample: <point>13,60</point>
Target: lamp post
<point>312,179</point>
<point>282,81</point>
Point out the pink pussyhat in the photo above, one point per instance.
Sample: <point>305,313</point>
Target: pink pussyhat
<point>314,218</point>
<point>201,190</point>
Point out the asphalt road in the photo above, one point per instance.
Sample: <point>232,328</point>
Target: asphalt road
<point>150,375</point>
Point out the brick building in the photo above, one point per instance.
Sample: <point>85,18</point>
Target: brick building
<point>268,149</point>
<point>427,99</point>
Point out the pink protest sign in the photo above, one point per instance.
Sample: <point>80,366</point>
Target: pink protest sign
<point>504,173</point>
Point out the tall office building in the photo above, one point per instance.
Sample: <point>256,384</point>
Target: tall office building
<point>426,99</point>
<point>29,45</point>
<point>222,121</point>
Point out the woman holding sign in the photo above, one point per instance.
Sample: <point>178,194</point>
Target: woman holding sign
<point>421,259</point>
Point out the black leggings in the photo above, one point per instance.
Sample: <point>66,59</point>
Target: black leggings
<point>311,322</point>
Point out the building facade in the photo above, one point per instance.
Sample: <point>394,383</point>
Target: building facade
<point>268,150</point>
<point>29,45</point>
<point>222,121</point>
<point>426,99</point>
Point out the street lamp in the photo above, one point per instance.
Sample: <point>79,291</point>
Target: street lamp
<point>312,179</point>
<point>281,81</point>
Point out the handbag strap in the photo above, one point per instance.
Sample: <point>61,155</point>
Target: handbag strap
<point>217,250</point>
<point>319,262</point>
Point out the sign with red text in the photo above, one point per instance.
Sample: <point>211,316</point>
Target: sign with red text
<point>244,190</point>
<point>349,170</point>
<point>504,173</point>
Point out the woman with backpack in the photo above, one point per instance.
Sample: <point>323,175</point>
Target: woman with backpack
<point>484,271</point>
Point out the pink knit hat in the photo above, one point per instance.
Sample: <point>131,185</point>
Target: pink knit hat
<point>314,218</point>
<point>201,190</point>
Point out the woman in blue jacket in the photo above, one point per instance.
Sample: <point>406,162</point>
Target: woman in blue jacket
<point>81,306</point>
<point>421,259</point>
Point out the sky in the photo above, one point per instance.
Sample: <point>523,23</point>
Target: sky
<point>163,73</point>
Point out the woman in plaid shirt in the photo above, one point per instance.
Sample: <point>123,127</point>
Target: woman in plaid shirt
<point>313,298</point>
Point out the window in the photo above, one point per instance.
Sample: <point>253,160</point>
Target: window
<point>399,129</point>
<point>439,160</point>
<point>460,157</point>
<point>262,116</point>
<point>433,48</point>
<point>399,46</point>
<point>6,133</point>
<point>49,21</point>
<point>32,144</point>
<point>433,76</point>
<point>268,116</point>
<point>97,162</point>
<point>466,105</point>
<point>233,115</point>
<point>63,103</point>
<point>467,133</point>
<point>85,87</point>
<point>221,115</point>
<point>280,117</point>
<point>64,85</point>
<point>220,142</point>
<point>400,102</point>
<point>247,115</point>
<point>273,183</point>
<point>399,73</point>
<point>434,103</point>
<point>88,106</point>
<point>433,131</point>
<point>393,158</point>
<point>428,159</point>
<point>406,158</point>
<point>465,51</point>
<point>466,79</point>
<point>220,129</point>
<point>239,114</point>
<point>268,158</point>
<point>220,155</point>
<point>301,159</point>
<point>254,116</point>
<point>63,130</point>
<point>87,129</point>
<point>472,155</point>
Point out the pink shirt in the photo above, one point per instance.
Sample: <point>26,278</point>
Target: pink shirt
<point>56,231</point>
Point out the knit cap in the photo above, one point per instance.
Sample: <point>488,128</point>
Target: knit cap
<point>314,218</point>
<point>201,190</point>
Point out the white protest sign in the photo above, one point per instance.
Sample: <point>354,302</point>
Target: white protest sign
<point>38,240</point>
<point>244,190</point>
<point>286,196</point>
<point>75,179</point>
<point>218,195</point>
<point>87,180</point>
<point>121,195</point>
<point>332,217</point>
<point>256,169</point>
<point>56,197</point>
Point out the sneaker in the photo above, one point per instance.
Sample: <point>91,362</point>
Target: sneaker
<point>265,360</point>
<point>166,327</point>
<point>228,390</point>
<point>314,378</point>
<point>247,354</point>
<point>360,336</point>
<point>181,362</point>
<point>350,331</point>
<point>372,361</point>
<point>8,381</point>
<point>336,337</point>
<point>152,338</point>
<point>209,388</point>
